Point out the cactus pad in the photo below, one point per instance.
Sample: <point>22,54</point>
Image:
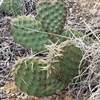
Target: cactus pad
<point>31,79</point>
<point>26,32</point>
<point>12,6</point>
<point>52,15</point>
<point>69,62</point>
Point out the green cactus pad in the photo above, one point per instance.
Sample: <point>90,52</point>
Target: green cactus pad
<point>12,6</point>
<point>26,32</point>
<point>31,79</point>
<point>68,63</point>
<point>52,15</point>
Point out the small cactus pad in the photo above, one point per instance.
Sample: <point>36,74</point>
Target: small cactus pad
<point>31,79</point>
<point>26,32</point>
<point>52,15</point>
<point>12,6</point>
<point>68,63</point>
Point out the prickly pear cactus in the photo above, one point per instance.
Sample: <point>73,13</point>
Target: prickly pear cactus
<point>26,31</point>
<point>39,78</point>
<point>52,14</point>
<point>12,6</point>
<point>31,79</point>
